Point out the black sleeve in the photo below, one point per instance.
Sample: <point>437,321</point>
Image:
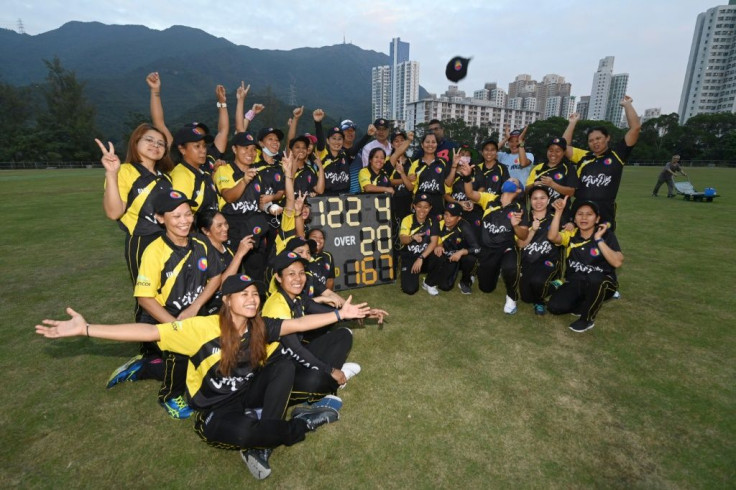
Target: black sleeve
<point>571,179</point>
<point>320,134</point>
<point>273,329</point>
<point>434,228</point>
<point>292,347</point>
<point>311,307</point>
<point>623,150</point>
<point>469,239</point>
<point>358,147</point>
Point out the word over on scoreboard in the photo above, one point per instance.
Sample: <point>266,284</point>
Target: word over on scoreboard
<point>358,235</point>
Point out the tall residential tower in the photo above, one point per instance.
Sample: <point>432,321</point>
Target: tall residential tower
<point>395,85</point>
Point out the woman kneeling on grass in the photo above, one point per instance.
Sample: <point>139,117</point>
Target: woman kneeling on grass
<point>233,369</point>
<point>593,255</point>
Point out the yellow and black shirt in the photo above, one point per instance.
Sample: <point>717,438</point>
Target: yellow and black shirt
<point>600,176</point>
<point>563,174</point>
<point>230,175</point>
<point>367,176</point>
<point>137,187</point>
<point>583,255</point>
<point>497,231</point>
<point>196,184</point>
<point>337,172</point>
<point>491,179</point>
<point>322,267</point>
<point>400,190</point>
<point>272,177</point>
<point>540,249</point>
<point>198,338</point>
<point>430,176</point>
<point>175,276</point>
<point>410,226</point>
<point>305,179</point>
<point>459,237</point>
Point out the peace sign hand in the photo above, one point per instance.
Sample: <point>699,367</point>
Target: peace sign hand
<point>109,159</point>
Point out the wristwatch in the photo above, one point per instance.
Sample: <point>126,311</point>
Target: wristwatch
<point>222,105</point>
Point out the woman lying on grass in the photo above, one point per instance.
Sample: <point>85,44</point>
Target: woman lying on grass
<point>233,367</point>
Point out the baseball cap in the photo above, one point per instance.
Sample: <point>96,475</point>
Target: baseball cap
<point>422,197</point>
<point>236,283</point>
<point>335,130</point>
<point>583,202</point>
<point>167,201</point>
<point>304,139</point>
<point>515,132</point>
<point>294,243</point>
<point>192,132</point>
<point>511,186</point>
<point>266,131</point>
<point>398,132</point>
<point>312,138</point>
<point>454,209</point>
<point>534,187</point>
<point>244,139</point>
<point>559,142</point>
<point>381,123</point>
<point>347,124</point>
<point>285,259</point>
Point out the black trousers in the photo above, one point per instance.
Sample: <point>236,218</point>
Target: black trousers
<point>233,426</point>
<point>536,278</point>
<point>445,274</point>
<point>503,261</point>
<point>134,247</point>
<point>168,367</point>
<point>409,280</point>
<point>583,295</point>
<point>333,349</point>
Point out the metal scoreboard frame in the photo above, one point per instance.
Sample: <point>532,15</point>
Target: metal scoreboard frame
<point>358,234</point>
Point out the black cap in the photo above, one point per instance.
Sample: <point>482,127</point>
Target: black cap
<point>536,186</point>
<point>347,124</point>
<point>294,243</point>
<point>561,142</point>
<point>192,132</point>
<point>169,200</point>
<point>301,138</point>
<point>579,203</point>
<point>454,209</point>
<point>266,131</point>
<point>381,123</point>
<point>422,197</point>
<point>457,68</point>
<point>398,132</point>
<point>335,130</point>
<point>244,139</point>
<point>285,259</point>
<point>515,132</point>
<point>236,283</point>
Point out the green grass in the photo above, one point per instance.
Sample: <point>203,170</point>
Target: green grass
<point>453,393</point>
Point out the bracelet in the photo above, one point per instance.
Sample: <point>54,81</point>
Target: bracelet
<point>222,105</point>
<point>88,330</point>
<point>250,115</point>
<point>156,93</point>
<point>598,240</point>
<point>337,314</point>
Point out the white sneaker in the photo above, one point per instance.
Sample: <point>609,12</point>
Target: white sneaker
<point>350,369</point>
<point>432,290</point>
<point>510,306</point>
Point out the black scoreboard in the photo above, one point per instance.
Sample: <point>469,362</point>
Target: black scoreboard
<point>358,235</point>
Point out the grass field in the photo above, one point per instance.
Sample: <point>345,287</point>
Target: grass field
<point>453,393</point>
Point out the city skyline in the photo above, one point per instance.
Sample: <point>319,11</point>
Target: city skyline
<point>651,40</point>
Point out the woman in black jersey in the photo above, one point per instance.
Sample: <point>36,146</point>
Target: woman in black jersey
<point>428,175</point>
<point>214,226</point>
<point>540,259</point>
<point>131,187</point>
<point>400,163</point>
<point>246,373</point>
<point>324,270</point>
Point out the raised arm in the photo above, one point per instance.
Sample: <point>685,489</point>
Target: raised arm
<point>553,234</point>
<point>240,95</point>
<point>465,170</point>
<point>523,159</point>
<point>112,203</point>
<point>294,122</point>
<point>319,187</point>
<point>569,130</point>
<point>318,115</point>
<point>450,179</point>
<point>223,121</point>
<point>78,326</point>
<point>349,311</point>
<point>157,109</point>
<point>632,118</point>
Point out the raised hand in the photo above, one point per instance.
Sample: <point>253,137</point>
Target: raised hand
<point>626,101</point>
<point>559,204</point>
<point>515,218</point>
<point>245,245</point>
<point>318,115</point>
<point>109,159</point>
<point>297,112</point>
<point>257,108</point>
<point>242,91</point>
<point>54,329</point>
<point>371,130</point>
<point>287,163</point>
<point>154,81</point>
<point>221,94</point>
<point>574,117</point>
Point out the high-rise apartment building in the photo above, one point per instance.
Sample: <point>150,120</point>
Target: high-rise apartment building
<point>617,91</point>
<point>395,85</point>
<point>582,107</point>
<point>606,93</point>
<point>710,78</point>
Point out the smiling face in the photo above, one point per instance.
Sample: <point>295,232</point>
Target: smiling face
<point>244,303</point>
<point>151,146</point>
<point>217,232</point>
<point>554,155</point>
<point>421,209</point>
<point>349,135</point>
<point>382,134</point>
<point>429,144</point>
<point>178,222</point>
<point>292,279</point>
<point>598,142</point>
<point>585,218</point>
<point>377,160</point>
<point>539,200</point>
<point>245,155</point>
<point>299,149</point>
<point>271,141</point>
<point>335,142</point>
<point>490,152</point>
<point>194,153</point>
<point>318,238</point>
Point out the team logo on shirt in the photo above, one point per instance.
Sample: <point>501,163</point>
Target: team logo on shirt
<point>557,176</point>
<point>311,290</point>
<point>595,252</point>
<point>257,187</point>
<point>309,179</point>
<point>257,230</point>
<point>327,266</point>
<point>426,232</point>
<point>458,240</point>
<point>175,195</point>
<point>549,263</point>
<point>607,161</point>
<point>438,170</point>
<point>202,264</point>
<point>477,222</point>
<point>494,178</point>
<point>511,213</point>
<point>277,177</point>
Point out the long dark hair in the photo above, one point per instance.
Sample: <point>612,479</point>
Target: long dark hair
<point>230,341</point>
<point>165,164</point>
<point>205,219</point>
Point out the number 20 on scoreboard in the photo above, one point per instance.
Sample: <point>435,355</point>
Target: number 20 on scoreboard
<point>357,232</point>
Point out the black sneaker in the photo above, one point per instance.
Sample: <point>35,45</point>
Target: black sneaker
<point>257,462</point>
<point>581,325</point>
<point>315,416</point>
<point>464,288</point>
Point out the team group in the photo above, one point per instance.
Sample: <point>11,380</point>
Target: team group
<point>206,240</point>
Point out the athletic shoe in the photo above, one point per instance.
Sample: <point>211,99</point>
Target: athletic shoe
<point>464,288</point>
<point>257,462</point>
<point>329,401</point>
<point>539,309</point>
<point>350,369</point>
<point>177,408</point>
<point>127,372</point>
<point>616,295</point>
<point>581,325</point>
<point>315,416</point>
<point>510,307</point>
<point>432,290</point>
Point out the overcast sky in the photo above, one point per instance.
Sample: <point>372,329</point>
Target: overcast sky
<point>649,38</point>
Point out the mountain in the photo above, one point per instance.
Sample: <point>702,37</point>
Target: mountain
<point>113,61</point>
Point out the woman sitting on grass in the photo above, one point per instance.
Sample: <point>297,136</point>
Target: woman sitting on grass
<point>233,369</point>
<point>593,255</point>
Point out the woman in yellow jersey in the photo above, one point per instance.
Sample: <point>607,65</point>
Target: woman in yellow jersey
<point>233,369</point>
<point>374,178</point>
<point>130,188</point>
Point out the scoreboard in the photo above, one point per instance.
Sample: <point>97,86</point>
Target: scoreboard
<point>357,232</point>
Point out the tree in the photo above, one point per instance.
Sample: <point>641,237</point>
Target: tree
<point>67,127</point>
<point>15,117</point>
